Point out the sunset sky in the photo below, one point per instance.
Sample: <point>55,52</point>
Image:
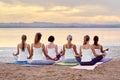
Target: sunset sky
<point>60,11</point>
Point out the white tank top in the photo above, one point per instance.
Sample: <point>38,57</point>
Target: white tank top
<point>69,53</point>
<point>86,55</point>
<point>51,52</point>
<point>37,54</point>
<point>22,55</point>
<point>98,51</point>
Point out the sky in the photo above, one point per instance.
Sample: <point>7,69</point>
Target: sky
<point>60,11</point>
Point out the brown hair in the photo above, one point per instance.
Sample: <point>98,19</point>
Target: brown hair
<point>96,39</point>
<point>37,37</point>
<point>86,39</point>
<point>24,37</point>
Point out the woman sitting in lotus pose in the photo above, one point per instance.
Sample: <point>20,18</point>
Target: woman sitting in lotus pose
<point>86,51</point>
<point>69,51</point>
<point>38,52</point>
<point>23,50</point>
<point>52,49</point>
<point>97,47</point>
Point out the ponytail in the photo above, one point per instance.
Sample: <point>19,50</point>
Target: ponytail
<point>96,40</point>
<point>23,46</point>
<point>95,43</point>
<point>24,37</point>
<point>37,37</point>
<point>86,39</point>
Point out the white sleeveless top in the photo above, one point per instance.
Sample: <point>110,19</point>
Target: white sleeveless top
<point>37,54</point>
<point>98,51</point>
<point>69,53</point>
<point>86,55</point>
<point>51,52</point>
<point>22,55</point>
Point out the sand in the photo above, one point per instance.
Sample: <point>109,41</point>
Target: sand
<point>105,71</point>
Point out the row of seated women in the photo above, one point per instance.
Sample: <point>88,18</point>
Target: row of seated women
<point>45,55</point>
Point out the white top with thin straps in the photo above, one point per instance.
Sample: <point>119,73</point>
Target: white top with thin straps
<point>98,51</point>
<point>69,53</point>
<point>51,52</point>
<point>22,55</point>
<point>37,54</point>
<point>86,55</point>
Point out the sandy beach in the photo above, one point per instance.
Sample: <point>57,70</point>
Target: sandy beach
<point>42,29</point>
<point>105,71</point>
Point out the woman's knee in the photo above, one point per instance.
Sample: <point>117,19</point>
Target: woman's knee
<point>78,59</point>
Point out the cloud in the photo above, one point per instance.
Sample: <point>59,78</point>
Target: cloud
<point>21,12</point>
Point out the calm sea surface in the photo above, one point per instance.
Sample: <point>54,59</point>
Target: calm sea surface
<point>10,37</point>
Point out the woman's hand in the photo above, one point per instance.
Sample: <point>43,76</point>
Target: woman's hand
<point>103,54</point>
<point>28,58</point>
<point>107,49</point>
<point>55,59</point>
<point>14,54</point>
<point>78,55</point>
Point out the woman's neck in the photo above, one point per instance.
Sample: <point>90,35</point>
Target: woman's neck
<point>23,42</point>
<point>51,43</point>
<point>69,45</point>
<point>87,43</point>
<point>69,42</point>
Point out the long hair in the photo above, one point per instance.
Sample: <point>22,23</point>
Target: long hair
<point>24,37</point>
<point>96,38</point>
<point>37,37</point>
<point>86,39</point>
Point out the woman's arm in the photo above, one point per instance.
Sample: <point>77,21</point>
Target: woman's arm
<point>31,52</point>
<point>45,53</point>
<point>75,50</point>
<point>93,50</point>
<point>103,50</point>
<point>28,47</point>
<point>63,52</point>
<point>56,50</point>
<point>46,49</point>
<point>80,50</point>
<point>17,53</point>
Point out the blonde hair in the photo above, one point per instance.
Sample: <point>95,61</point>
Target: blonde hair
<point>69,37</point>
<point>86,39</point>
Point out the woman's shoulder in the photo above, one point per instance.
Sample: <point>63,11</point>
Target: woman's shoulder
<point>41,44</point>
<point>55,44</point>
<point>28,45</point>
<point>64,45</point>
<point>96,46</point>
<point>100,46</point>
<point>73,45</point>
<point>19,44</point>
